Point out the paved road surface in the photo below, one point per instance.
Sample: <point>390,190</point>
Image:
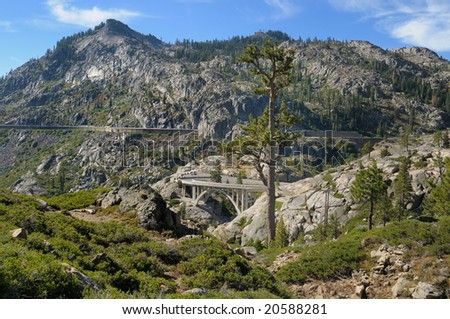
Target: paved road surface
<point>97,129</point>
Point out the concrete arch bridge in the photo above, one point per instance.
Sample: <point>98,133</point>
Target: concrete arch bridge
<point>241,196</point>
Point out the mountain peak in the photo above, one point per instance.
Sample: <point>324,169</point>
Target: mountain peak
<point>419,55</point>
<point>117,26</point>
<point>114,27</point>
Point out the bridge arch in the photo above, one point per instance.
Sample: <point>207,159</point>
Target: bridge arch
<point>210,191</point>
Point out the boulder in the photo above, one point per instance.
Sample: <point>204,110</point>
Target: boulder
<point>360,292</point>
<point>202,217</point>
<point>150,207</point>
<point>247,252</point>
<point>111,199</point>
<point>402,287</point>
<point>249,225</point>
<point>426,290</point>
<point>230,232</point>
<point>195,291</point>
<point>19,233</point>
<point>256,222</point>
<point>84,280</point>
<point>170,191</point>
<point>384,260</point>
<point>43,205</point>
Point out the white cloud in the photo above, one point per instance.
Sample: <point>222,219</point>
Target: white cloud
<point>86,17</point>
<point>6,26</point>
<point>285,8</point>
<point>420,22</point>
<point>424,30</point>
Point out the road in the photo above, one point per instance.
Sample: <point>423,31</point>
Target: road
<point>111,129</point>
<point>253,186</point>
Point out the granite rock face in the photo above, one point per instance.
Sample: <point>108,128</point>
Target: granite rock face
<point>150,207</point>
<point>303,202</point>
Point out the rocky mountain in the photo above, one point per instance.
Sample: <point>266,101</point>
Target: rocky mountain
<point>115,76</point>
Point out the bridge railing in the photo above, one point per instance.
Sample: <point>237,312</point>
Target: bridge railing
<point>192,182</point>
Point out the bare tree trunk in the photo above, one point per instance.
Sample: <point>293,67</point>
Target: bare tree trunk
<point>327,208</point>
<point>270,218</point>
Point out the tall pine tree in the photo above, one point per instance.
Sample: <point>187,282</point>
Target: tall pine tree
<point>216,172</point>
<point>282,236</point>
<point>273,65</point>
<point>369,186</point>
<point>438,202</point>
<point>402,188</point>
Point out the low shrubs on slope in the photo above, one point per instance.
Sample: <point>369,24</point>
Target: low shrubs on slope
<point>334,259</point>
<point>121,260</point>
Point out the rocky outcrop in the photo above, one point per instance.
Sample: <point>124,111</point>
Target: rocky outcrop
<point>27,184</point>
<point>402,288</point>
<point>420,56</point>
<point>428,291</point>
<point>250,225</point>
<point>303,202</point>
<point>387,278</point>
<point>83,279</point>
<point>150,207</point>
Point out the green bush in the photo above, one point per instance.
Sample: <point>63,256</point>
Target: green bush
<point>126,281</point>
<point>80,199</point>
<point>6,198</point>
<point>420,164</point>
<point>29,274</point>
<point>156,287</point>
<point>334,259</point>
<point>431,237</point>
<point>210,264</point>
<point>384,152</point>
<point>281,235</point>
<point>324,261</point>
<point>441,244</point>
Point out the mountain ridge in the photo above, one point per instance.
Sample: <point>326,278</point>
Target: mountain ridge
<point>134,78</point>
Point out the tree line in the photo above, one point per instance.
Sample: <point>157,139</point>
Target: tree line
<point>370,190</point>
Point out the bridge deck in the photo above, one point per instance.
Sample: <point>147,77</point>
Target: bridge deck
<point>193,182</point>
<point>97,129</point>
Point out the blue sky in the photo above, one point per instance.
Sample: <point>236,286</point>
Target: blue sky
<point>29,28</point>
